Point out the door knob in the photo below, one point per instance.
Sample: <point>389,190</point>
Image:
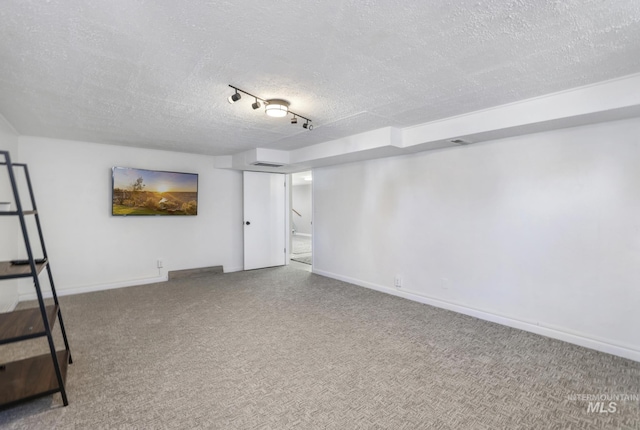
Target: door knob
<point>247,223</point>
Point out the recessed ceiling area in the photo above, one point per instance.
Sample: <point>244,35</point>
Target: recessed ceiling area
<point>156,74</point>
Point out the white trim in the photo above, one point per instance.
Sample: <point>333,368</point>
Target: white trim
<point>548,331</point>
<point>93,288</point>
<point>11,306</point>
<point>288,225</point>
<point>226,269</point>
<point>302,234</point>
<point>313,215</point>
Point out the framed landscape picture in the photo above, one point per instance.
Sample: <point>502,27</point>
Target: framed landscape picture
<point>153,192</point>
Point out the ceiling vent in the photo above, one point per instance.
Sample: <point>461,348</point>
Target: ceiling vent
<point>262,164</point>
<point>460,141</point>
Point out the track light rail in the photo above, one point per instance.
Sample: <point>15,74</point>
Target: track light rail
<point>265,101</point>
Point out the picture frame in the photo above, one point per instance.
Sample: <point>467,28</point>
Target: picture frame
<point>142,192</point>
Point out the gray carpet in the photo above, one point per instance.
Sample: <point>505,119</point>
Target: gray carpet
<point>300,244</point>
<point>306,259</point>
<point>301,248</point>
<point>286,349</point>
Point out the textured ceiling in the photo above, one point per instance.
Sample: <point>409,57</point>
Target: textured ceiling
<point>155,73</point>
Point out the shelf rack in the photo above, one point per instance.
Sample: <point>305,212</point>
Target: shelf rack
<point>43,374</point>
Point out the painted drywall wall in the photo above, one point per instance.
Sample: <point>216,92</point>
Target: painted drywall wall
<point>541,232</point>
<point>9,226</point>
<point>301,202</point>
<point>90,249</point>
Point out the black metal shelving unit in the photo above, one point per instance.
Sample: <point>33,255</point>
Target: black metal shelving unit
<point>43,374</point>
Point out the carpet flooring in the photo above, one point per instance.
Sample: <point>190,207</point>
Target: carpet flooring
<point>300,244</point>
<point>306,259</point>
<point>283,348</point>
<point>301,249</point>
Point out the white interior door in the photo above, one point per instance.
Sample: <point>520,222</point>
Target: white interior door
<point>264,220</point>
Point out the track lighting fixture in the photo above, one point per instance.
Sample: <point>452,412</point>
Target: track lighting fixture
<point>235,97</point>
<point>277,108</point>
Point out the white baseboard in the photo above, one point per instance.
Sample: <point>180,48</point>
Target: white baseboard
<point>162,277</point>
<point>93,288</point>
<point>302,234</point>
<point>11,306</point>
<point>548,331</point>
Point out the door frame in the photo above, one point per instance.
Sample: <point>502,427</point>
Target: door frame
<point>288,216</point>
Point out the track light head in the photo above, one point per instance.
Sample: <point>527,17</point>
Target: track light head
<point>234,97</point>
<point>255,105</point>
<point>294,120</point>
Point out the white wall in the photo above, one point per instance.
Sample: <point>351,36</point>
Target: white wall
<point>9,226</point>
<point>540,232</point>
<point>90,249</point>
<point>301,202</point>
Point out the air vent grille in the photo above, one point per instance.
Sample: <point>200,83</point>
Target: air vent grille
<point>460,141</point>
<point>262,164</point>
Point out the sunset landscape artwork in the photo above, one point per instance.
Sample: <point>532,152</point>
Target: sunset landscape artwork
<point>153,192</point>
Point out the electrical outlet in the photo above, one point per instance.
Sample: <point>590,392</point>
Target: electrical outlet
<point>160,263</point>
<point>398,281</point>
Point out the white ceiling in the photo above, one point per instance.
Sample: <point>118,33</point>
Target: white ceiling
<point>155,74</point>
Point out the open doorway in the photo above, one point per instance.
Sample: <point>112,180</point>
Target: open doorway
<point>301,219</point>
